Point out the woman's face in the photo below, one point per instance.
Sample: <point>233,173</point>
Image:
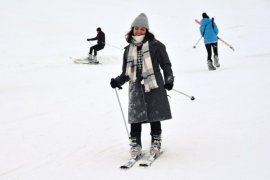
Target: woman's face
<point>138,31</point>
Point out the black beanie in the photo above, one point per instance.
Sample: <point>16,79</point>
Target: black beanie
<point>98,29</point>
<point>204,15</point>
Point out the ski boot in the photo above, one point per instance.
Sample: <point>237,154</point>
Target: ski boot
<point>95,60</point>
<point>210,65</point>
<point>135,147</point>
<point>155,148</point>
<point>90,57</point>
<point>216,61</point>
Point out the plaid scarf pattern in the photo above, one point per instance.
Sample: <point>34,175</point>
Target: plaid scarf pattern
<point>149,79</point>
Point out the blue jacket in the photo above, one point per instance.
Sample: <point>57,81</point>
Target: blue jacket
<point>209,31</point>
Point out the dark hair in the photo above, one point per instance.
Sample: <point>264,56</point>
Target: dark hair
<point>204,15</point>
<point>98,29</point>
<point>148,36</point>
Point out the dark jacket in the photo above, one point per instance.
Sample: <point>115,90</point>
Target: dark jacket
<point>100,38</point>
<point>154,105</point>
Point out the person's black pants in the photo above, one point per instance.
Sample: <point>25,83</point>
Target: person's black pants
<point>96,48</point>
<point>136,128</point>
<point>209,50</point>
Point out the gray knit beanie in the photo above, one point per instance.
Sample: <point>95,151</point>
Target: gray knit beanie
<point>141,21</point>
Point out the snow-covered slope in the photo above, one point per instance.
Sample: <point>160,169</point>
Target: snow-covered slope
<point>61,121</point>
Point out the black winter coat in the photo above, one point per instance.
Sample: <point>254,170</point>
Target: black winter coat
<point>145,107</point>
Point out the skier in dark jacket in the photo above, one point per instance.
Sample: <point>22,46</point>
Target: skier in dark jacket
<point>209,32</point>
<point>100,44</point>
<point>148,102</point>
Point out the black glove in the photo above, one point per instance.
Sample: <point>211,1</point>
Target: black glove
<point>114,84</point>
<point>169,83</point>
<point>168,86</point>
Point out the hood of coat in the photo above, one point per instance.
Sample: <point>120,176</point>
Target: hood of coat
<point>205,21</point>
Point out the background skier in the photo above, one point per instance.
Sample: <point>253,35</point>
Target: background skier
<point>209,31</point>
<point>100,44</point>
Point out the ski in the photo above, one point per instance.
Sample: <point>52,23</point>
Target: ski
<point>84,61</point>
<point>130,163</point>
<point>149,161</point>
<point>79,59</point>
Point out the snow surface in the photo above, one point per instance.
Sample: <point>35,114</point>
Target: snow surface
<point>62,121</point>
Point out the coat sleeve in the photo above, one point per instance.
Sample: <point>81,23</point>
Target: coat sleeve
<point>216,29</point>
<point>202,25</point>
<point>165,64</point>
<point>201,30</point>
<point>97,37</point>
<point>123,78</point>
<point>92,39</point>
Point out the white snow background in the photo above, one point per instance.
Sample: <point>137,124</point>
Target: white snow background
<point>62,121</point>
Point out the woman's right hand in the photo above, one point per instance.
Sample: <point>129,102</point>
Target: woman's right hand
<point>114,84</point>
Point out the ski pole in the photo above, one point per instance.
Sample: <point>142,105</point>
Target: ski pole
<point>122,112</point>
<point>226,43</point>
<point>113,46</point>
<point>197,42</point>
<point>191,97</point>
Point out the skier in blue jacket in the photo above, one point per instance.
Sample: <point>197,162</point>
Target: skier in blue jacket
<point>209,31</point>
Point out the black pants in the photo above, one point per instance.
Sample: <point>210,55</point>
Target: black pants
<point>136,129</point>
<point>209,50</point>
<point>96,48</point>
